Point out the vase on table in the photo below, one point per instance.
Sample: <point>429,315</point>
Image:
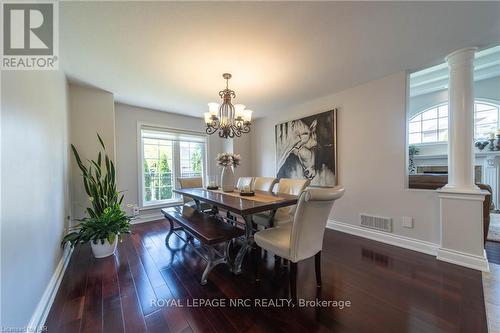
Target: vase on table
<point>227,179</point>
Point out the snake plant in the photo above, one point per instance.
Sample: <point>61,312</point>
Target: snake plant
<point>106,218</point>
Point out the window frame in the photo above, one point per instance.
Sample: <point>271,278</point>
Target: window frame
<point>175,165</point>
<point>495,104</point>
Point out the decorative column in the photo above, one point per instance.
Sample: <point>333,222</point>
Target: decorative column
<point>491,175</point>
<point>461,120</point>
<point>461,201</point>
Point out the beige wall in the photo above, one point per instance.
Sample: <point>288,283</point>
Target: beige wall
<point>372,155</point>
<point>91,111</point>
<point>242,146</point>
<point>34,200</point>
<point>127,118</point>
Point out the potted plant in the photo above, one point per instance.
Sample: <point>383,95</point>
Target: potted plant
<point>107,221</point>
<point>228,161</point>
<point>412,151</point>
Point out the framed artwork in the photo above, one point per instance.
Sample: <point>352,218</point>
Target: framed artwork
<point>307,148</point>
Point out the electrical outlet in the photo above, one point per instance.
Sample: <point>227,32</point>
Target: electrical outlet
<point>407,222</point>
<point>135,210</point>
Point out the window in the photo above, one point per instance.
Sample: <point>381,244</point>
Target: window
<point>167,155</point>
<point>431,125</point>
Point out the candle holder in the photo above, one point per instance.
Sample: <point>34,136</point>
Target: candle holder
<point>213,183</point>
<point>492,144</point>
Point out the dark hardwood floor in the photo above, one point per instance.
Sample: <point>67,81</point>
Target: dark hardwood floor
<point>493,252</point>
<point>390,290</point>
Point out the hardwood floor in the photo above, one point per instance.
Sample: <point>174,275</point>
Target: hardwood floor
<point>390,290</point>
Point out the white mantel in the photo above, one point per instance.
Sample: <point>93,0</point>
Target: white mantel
<point>488,160</point>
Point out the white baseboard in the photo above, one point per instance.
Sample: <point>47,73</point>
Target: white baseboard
<point>384,237</point>
<point>454,257</point>
<point>464,259</point>
<point>147,218</point>
<point>42,309</point>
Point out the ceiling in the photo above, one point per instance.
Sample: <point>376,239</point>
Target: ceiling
<point>170,55</point>
<point>435,78</point>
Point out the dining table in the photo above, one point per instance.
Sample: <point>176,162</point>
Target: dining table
<point>240,204</point>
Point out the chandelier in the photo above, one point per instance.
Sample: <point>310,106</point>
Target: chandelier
<point>228,119</point>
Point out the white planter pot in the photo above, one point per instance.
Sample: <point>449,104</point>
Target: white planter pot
<point>104,250</point>
<point>227,179</point>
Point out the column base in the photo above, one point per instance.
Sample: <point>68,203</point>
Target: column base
<point>462,225</point>
<point>479,263</point>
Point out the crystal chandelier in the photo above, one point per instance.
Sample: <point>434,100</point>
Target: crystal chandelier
<point>230,120</point>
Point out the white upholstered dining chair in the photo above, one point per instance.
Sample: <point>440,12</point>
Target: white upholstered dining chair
<point>192,182</point>
<point>303,238</point>
<point>264,183</point>
<point>243,182</point>
<point>285,214</point>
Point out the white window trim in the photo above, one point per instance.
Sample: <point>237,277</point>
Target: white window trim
<point>140,164</point>
<point>493,102</point>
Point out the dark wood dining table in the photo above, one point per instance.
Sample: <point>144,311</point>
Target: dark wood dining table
<point>244,206</point>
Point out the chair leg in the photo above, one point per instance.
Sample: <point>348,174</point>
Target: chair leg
<point>293,281</point>
<point>317,264</point>
<point>258,255</point>
<point>277,262</point>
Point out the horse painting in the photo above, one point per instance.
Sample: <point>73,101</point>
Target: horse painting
<point>305,148</point>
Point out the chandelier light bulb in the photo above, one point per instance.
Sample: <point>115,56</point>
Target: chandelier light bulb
<point>247,115</point>
<point>208,118</point>
<point>239,111</point>
<point>213,108</point>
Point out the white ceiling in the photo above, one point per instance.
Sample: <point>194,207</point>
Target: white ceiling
<point>170,55</point>
<point>435,78</point>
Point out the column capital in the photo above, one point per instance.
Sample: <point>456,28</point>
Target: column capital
<point>461,56</point>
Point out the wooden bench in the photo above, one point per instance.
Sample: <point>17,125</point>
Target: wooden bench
<point>209,230</point>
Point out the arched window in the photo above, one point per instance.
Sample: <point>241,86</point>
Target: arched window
<point>431,125</point>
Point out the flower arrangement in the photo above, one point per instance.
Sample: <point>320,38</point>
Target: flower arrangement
<point>228,159</point>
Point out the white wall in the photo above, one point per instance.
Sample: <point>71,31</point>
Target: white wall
<point>242,146</point>
<point>92,111</point>
<point>127,117</point>
<point>371,152</point>
<point>34,188</point>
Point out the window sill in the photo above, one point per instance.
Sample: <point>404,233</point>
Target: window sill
<point>161,205</point>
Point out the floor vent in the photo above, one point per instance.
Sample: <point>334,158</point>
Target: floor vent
<point>376,222</point>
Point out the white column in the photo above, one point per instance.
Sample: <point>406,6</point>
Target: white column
<point>461,120</point>
<point>461,201</point>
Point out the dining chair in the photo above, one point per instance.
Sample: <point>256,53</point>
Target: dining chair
<point>264,183</point>
<point>192,182</point>
<point>243,182</point>
<point>303,238</point>
<point>285,214</point>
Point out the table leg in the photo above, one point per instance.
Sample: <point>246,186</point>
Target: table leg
<point>271,218</point>
<point>198,204</point>
<point>247,244</point>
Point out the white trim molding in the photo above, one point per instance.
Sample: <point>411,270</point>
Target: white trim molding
<point>464,259</point>
<point>384,237</point>
<point>147,218</point>
<point>42,309</point>
<point>454,257</point>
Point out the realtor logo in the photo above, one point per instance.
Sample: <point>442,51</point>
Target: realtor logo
<point>29,38</point>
